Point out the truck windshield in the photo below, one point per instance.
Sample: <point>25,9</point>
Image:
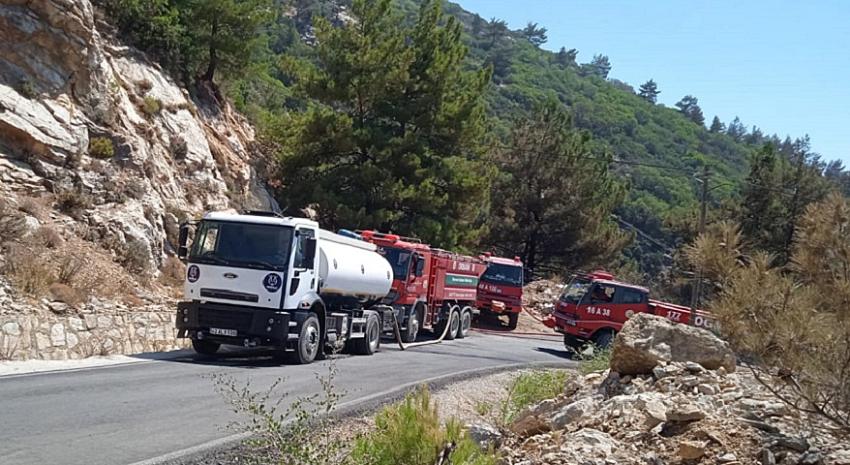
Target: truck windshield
<point>244,245</point>
<point>498,273</point>
<point>575,290</point>
<point>399,259</point>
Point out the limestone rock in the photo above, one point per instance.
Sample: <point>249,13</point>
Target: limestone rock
<point>684,412</point>
<point>63,83</point>
<point>572,413</point>
<point>486,436</point>
<point>12,328</point>
<point>691,450</point>
<point>647,340</point>
<point>57,335</point>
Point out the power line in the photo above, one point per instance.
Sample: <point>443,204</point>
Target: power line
<point>595,157</point>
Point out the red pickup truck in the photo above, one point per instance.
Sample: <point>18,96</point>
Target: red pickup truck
<point>593,307</point>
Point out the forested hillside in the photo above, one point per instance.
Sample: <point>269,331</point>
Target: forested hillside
<point>413,116</point>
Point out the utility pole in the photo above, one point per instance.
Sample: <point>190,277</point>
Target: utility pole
<point>704,176</point>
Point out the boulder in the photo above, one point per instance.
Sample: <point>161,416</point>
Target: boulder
<point>691,450</point>
<point>572,413</point>
<point>486,436</point>
<point>646,340</point>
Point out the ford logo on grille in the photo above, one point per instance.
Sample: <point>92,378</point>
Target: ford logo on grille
<point>230,275</point>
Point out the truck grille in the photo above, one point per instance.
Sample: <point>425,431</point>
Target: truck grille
<point>227,319</point>
<point>229,295</point>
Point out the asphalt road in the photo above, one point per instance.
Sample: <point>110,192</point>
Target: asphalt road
<point>146,412</point>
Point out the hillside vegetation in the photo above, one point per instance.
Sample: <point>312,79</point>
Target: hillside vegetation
<point>403,115</point>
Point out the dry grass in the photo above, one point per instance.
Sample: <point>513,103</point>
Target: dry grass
<point>39,207</point>
<point>172,272</point>
<point>28,271</point>
<point>792,321</point>
<point>66,293</point>
<point>70,271</point>
<point>73,201</point>
<point>48,237</point>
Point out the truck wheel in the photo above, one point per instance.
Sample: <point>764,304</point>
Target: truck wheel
<point>513,320</point>
<point>309,342</point>
<point>465,323</point>
<point>454,323</point>
<point>603,339</point>
<point>412,329</point>
<point>371,341</point>
<point>205,347</point>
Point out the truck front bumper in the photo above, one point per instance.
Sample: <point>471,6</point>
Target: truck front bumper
<point>235,324</point>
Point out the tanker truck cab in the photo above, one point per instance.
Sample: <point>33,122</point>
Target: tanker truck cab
<point>262,280</point>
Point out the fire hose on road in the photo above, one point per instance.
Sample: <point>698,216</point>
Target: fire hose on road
<point>523,335</point>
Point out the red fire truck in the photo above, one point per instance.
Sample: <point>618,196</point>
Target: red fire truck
<point>500,288</point>
<point>593,307</point>
<point>431,288</point>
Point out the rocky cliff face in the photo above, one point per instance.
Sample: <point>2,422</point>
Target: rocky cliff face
<point>113,147</point>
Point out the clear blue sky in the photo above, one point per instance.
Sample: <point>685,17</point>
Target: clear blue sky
<point>781,65</point>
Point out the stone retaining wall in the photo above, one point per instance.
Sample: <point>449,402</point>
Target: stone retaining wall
<point>60,337</point>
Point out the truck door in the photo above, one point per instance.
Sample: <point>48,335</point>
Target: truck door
<point>629,301</point>
<point>598,303</point>
<point>302,277</point>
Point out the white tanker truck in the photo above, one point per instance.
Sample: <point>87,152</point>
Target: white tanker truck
<point>258,279</point>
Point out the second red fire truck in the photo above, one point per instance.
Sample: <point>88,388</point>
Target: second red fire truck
<point>431,288</point>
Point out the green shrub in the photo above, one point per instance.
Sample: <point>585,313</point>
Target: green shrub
<point>151,106</point>
<point>530,388</point>
<point>26,89</point>
<point>101,147</point>
<point>301,434</point>
<point>410,433</point>
<point>73,201</point>
<point>594,359</point>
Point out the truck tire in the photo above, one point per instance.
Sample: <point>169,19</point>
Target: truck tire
<point>465,323</point>
<point>453,322</point>
<point>513,320</point>
<point>205,347</point>
<point>411,330</point>
<point>371,341</point>
<point>309,342</point>
<point>603,338</point>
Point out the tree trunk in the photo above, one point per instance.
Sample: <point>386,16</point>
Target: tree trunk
<point>210,73</point>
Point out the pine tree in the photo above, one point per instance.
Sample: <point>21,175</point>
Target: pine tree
<point>554,201</point>
<point>803,184</point>
<point>392,138</point>
<point>477,25</point>
<point>496,30</point>
<point>649,91</point>
<point>762,212</point>
<point>736,129</point>
<point>535,34</point>
<point>717,126</point>
<point>566,58</point>
<point>600,66</point>
<point>689,106</point>
<point>224,34</point>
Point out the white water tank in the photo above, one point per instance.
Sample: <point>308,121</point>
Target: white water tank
<point>351,267</point>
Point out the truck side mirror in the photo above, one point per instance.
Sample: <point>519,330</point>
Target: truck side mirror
<point>420,266</point>
<point>183,239</point>
<point>309,251</point>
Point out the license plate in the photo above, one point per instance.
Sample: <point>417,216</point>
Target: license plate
<point>223,332</point>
